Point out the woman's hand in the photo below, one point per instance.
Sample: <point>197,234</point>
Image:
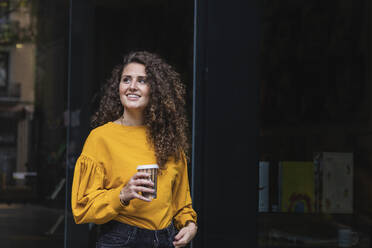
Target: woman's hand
<point>185,235</point>
<point>140,182</point>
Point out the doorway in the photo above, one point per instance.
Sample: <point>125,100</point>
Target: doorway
<point>101,33</point>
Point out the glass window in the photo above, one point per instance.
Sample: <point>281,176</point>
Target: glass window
<point>33,83</point>
<point>315,163</point>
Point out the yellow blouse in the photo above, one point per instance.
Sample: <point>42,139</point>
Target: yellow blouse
<point>109,159</point>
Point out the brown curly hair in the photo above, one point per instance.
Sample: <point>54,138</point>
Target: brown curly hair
<point>165,114</point>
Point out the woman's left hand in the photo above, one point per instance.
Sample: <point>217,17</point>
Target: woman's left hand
<point>185,235</point>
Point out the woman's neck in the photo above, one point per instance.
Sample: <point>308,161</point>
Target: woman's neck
<point>131,119</point>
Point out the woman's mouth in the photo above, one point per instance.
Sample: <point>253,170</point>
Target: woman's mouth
<point>133,96</point>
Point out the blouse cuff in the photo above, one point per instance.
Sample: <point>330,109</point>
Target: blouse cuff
<point>115,199</point>
<point>182,221</point>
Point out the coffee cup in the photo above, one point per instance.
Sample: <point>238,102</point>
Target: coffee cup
<point>151,169</point>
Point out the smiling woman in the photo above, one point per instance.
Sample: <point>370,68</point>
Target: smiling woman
<point>164,115</point>
<point>141,120</point>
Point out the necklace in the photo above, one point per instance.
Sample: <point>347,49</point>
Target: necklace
<point>125,123</point>
<point>122,120</point>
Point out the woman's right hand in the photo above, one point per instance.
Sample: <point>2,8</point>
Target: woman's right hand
<point>140,182</point>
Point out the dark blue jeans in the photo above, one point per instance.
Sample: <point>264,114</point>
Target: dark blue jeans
<point>117,234</point>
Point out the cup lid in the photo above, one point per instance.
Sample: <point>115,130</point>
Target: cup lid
<point>147,166</point>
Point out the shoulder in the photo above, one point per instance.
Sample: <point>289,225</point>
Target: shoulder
<point>101,130</point>
<point>94,137</point>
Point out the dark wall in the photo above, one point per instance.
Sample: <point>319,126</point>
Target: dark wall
<point>49,133</point>
<point>226,123</point>
<point>81,76</point>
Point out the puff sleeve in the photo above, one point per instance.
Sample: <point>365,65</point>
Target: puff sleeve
<point>91,202</point>
<point>182,203</point>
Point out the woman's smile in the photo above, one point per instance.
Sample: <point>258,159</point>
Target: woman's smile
<point>133,97</point>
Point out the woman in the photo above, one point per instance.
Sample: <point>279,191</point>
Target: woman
<point>141,120</point>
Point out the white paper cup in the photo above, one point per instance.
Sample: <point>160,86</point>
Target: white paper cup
<point>152,169</point>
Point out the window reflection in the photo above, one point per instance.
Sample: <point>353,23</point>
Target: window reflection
<point>315,134</point>
<point>33,72</point>
<point>17,81</point>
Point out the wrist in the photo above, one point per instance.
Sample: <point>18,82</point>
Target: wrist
<point>191,224</point>
<point>122,201</point>
<point>125,203</point>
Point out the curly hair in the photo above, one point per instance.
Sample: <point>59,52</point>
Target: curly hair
<point>165,114</point>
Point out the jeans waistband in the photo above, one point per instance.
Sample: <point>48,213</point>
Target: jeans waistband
<point>120,226</point>
<point>125,235</point>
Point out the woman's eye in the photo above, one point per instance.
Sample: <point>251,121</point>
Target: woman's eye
<point>141,80</point>
<point>126,80</point>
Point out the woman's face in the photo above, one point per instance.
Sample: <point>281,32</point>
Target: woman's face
<point>133,89</point>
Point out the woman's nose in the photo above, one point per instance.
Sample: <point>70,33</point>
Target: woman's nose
<point>133,84</point>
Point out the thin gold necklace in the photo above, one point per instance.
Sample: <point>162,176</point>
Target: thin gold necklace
<point>122,120</point>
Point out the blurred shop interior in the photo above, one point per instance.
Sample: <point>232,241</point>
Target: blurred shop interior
<point>33,82</point>
<point>315,133</point>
